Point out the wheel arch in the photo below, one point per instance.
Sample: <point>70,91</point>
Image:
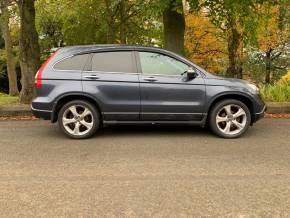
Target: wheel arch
<point>65,98</point>
<point>236,96</point>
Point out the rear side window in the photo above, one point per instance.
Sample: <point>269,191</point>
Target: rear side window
<point>76,62</point>
<point>119,61</point>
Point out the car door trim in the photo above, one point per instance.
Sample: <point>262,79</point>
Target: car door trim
<point>150,113</point>
<point>113,122</point>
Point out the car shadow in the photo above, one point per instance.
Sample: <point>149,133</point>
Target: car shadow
<point>150,130</point>
<point>153,130</point>
<point>141,130</point>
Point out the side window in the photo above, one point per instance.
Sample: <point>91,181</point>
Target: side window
<point>76,62</point>
<point>118,61</point>
<point>154,63</point>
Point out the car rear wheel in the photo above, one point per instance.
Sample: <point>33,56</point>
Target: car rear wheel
<point>230,118</point>
<point>79,119</point>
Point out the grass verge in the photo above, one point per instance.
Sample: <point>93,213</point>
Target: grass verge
<point>7,99</point>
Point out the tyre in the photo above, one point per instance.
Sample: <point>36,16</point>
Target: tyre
<point>229,118</point>
<point>79,119</point>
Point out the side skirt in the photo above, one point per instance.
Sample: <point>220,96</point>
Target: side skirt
<point>115,122</point>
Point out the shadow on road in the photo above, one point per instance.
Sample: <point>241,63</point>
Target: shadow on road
<point>154,129</point>
<point>142,130</point>
<point>258,130</point>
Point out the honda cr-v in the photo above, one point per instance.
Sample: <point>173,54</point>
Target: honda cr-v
<point>84,87</point>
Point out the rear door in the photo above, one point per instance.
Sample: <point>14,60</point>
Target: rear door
<point>112,78</point>
<point>165,94</point>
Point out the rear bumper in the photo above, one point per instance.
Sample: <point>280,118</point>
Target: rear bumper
<point>44,114</point>
<point>260,115</point>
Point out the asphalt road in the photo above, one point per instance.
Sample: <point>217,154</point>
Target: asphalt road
<point>144,172</point>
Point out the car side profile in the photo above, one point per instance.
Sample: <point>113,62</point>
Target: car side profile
<point>85,87</point>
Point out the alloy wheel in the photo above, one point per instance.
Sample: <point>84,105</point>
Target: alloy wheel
<point>231,119</point>
<point>78,120</point>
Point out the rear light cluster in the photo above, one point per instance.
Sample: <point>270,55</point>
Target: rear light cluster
<point>38,76</point>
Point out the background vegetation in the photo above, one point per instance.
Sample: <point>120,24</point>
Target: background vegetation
<point>7,99</point>
<point>246,39</point>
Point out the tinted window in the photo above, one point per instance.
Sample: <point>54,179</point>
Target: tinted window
<point>154,63</point>
<point>114,62</point>
<point>76,62</point>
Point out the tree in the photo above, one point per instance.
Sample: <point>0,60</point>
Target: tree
<point>29,49</point>
<point>97,22</point>
<point>173,25</point>
<point>273,37</point>
<point>59,25</point>
<point>127,21</point>
<point>49,23</point>
<point>123,29</point>
<point>12,77</point>
<point>111,10</point>
<point>238,20</point>
<point>205,43</point>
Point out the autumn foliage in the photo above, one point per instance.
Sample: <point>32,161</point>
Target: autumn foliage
<point>205,43</point>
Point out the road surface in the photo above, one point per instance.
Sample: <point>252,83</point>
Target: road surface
<point>144,172</point>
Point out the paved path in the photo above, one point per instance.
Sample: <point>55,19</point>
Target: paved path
<point>144,172</point>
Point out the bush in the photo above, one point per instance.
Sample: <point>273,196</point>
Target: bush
<point>286,77</point>
<point>278,92</point>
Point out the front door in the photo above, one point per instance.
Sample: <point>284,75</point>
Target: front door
<point>165,94</point>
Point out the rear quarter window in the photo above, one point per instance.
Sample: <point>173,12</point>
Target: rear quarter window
<point>76,62</point>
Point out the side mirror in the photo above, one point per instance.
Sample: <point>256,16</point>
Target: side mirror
<point>190,74</point>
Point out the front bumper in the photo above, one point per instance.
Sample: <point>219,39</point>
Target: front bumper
<point>260,115</point>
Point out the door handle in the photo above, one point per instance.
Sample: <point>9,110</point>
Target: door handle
<point>150,79</point>
<point>91,77</point>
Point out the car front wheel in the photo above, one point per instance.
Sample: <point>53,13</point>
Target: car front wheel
<point>78,119</point>
<point>230,118</point>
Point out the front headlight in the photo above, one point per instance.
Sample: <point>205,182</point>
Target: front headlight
<point>253,87</point>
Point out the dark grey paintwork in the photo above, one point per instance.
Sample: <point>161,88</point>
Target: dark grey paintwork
<point>130,97</point>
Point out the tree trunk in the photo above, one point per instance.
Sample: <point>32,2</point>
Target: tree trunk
<point>110,22</point>
<point>12,77</point>
<point>123,33</point>
<point>268,66</point>
<point>29,49</point>
<point>234,41</point>
<point>174,27</point>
